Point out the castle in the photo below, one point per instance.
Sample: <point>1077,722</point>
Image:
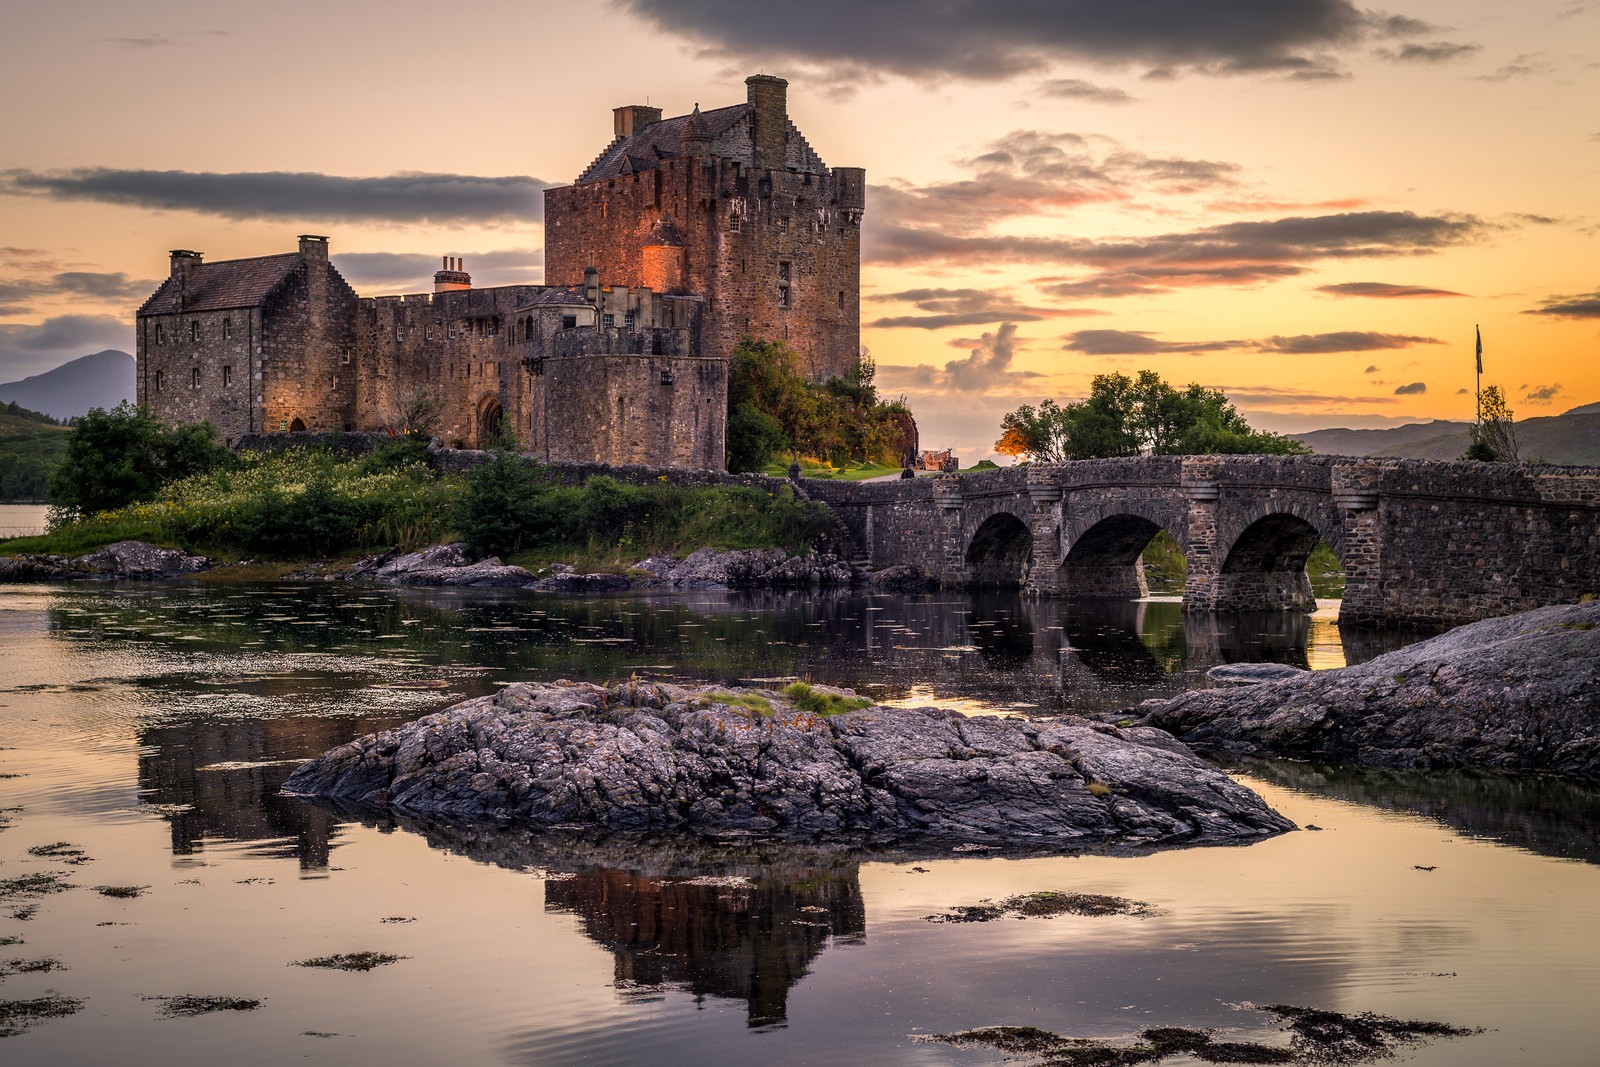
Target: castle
<point>683,237</point>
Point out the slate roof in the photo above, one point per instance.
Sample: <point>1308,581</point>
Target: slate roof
<point>562,295</point>
<point>229,283</point>
<point>647,147</point>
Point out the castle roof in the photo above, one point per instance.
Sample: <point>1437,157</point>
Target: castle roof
<point>726,127</point>
<point>229,283</point>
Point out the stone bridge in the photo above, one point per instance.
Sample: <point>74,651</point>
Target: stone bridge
<point>1422,543</point>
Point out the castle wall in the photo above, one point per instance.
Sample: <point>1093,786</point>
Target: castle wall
<point>196,367</point>
<point>609,402</point>
<point>307,351</point>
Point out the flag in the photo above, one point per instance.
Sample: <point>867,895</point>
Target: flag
<point>1480,348</point>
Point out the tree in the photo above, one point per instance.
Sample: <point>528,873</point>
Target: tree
<point>1494,438</point>
<point>1125,416</point>
<point>123,455</point>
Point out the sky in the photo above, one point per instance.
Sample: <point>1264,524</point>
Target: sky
<point>1308,204</point>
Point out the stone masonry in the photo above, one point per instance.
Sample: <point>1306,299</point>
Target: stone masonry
<point>1422,543</point>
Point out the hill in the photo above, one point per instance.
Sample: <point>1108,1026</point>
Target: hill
<point>1573,437</point>
<point>101,380</point>
<point>31,445</point>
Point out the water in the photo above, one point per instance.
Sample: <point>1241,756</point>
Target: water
<point>22,520</point>
<point>151,726</point>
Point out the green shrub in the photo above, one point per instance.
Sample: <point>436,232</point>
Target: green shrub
<point>817,702</point>
<point>117,457</point>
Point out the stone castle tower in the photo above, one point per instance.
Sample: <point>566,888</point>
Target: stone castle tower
<point>731,204</point>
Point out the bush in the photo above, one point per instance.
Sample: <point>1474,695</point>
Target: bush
<point>117,457</point>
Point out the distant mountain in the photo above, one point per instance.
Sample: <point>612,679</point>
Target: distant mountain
<point>1570,438</point>
<point>102,380</point>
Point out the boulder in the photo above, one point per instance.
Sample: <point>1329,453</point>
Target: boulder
<point>654,758</point>
<point>450,565</point>
<point>749,568</point>
<point>1253,673</point>
<point>1519,693</point>
<point>125,559</point>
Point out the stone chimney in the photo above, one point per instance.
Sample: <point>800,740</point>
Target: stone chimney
<point>183,264</point>
<point>313,247</point>
<point>632,118</point>
<point>452,277</point>
<point>769,97</point>
<point>591,287</point>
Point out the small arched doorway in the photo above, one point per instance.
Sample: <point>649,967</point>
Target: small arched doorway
<point>490,412</point>
<point>298,425</point>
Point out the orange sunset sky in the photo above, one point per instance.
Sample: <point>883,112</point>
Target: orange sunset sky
<point>1306,203</point>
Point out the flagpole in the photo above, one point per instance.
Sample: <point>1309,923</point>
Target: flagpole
<point>1478,414</point>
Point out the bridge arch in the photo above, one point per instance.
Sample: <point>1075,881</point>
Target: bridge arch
<point>1264,556</point>
<point>999,552</point>
<point>1101,550</point>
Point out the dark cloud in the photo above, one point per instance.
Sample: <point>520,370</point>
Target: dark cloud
<point>401,198</point>
<point>1371,369</point>
<point>76,283</point>
<point>1384,290</point>
<point>964,307</point>
<point>1234,253</point>
<point>990,41</point>
<point>1342,341</point>
<point>1142,343</point>
<point>1411,389</point>
<point>33,349</point>
<point>1436,52</point>
<point>1088,92</point>
<point>1275,395</point>
<point>413,271</point>
<point>151,41</point>
<point>1578,306</point>
<point>1543,394</point>
<point>1138,343</point>
<point>1462,391</point>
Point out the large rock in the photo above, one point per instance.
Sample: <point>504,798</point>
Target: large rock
<point>647,757</point>
<point>748,568</point>
<point>1520,693</point>
<point>124,559</point>
<point>450,565</point>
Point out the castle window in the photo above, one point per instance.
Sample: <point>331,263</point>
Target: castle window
<point>344,357</point>
<point>783,224</point>
<point>227,329</point>
<point>227,377</point>
<point>783,272</point>
<point>490,327</point>
<point>608,320</point>
<point>194,329</point>
<point>569,322</point>
<point>783,296</point>
<point>161,380</point>
<point>427,334</point>
<point>399,333</point>
<point>841,299</point>
<point>161,335</point>
<point>605,209</point>
<point>333,381</point>
<point>452,331</point>
<point>627,320</point>
<point>733,223</point>
<point>194,378</point>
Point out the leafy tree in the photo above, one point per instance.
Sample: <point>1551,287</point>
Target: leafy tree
<point>1125,416</point>
<point>773,408</point>
<point>1494,438</point>
<point>123,455</point>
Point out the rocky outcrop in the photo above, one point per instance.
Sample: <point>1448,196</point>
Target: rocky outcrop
<point>750,568</point>
<point>655,758</point>
<point>125,559</point>
<point>1519,693</point>
<point>449,565</point>
<point>1253,673</point>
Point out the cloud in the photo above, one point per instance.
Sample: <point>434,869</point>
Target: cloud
<point>1277,395</point>
<point>1342,341</point>
<point>1436,52</point>
<point>1384,290</point>
<point>400,198</point>
<point>986,370</point>
<point>1142,343</point>
<point>1371,369</point>
<point>1462,391</point>
<point>1524,66</point>
<point>1138,343</point>
<point>987,41</point>
<point>27,350</point>
<point>413,271</point>
<point>964,307</point>
<point>1579,306</point>
<point>1411,389</point>
<point>115,286</point>
<point>1543,394</point>
<point>1088,92</point>
<point>1232,253</point>
<point>151,41</point>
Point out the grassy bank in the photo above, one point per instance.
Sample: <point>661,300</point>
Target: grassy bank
<point>299,505</point>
